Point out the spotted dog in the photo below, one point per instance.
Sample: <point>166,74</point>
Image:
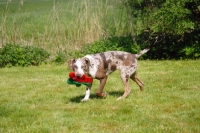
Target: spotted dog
<point>100,65</point>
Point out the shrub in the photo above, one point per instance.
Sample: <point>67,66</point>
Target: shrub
<point>122,43</point>
<point>60,57</point>
<point>171,48</point>
<point>167,48</point>
<point>16,55</point>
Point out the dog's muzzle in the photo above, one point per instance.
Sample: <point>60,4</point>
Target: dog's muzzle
<point>79,75</point>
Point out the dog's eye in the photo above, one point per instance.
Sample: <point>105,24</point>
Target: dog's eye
<point>75,67</point>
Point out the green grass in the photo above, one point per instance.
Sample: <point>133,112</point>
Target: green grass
<point>37,99</point>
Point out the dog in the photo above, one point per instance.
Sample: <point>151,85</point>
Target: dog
<point>100,65</point>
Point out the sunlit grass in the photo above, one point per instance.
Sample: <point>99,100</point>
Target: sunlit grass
<point>38,99</point>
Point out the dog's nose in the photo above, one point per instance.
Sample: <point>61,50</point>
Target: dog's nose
<point>78,75</point>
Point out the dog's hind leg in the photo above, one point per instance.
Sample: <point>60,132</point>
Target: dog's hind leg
<point>127,90</point>
<point>138,81</point>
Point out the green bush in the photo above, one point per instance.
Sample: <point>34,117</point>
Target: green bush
<point>16,55</point>
<point>166,48</point>
<point>172,48</point>
<point>61,56</point>
<point>177,22</point>
<point>122,43</point>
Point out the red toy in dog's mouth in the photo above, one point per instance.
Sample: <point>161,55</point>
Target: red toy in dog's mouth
<point>73,79</point>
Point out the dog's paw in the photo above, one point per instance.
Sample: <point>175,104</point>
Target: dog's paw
<point>84,100</point>
<point>119,98</point>
<point>104,94</point>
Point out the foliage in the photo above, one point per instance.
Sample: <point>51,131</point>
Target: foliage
<point>164,16</point>
<point>16,55</point>
<point>122,43</point>
<point>167,48</point>
<point>60,57</point>
<point>175,21</point>
<point>68,25</point>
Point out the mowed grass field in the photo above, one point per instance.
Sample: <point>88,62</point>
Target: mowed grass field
<point>38,99</point>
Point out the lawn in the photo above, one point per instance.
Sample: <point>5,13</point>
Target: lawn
<point>38,99</point>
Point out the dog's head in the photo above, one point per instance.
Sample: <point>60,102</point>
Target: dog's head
<point>79,66</point>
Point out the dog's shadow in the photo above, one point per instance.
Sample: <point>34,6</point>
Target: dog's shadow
<point>78,99</point>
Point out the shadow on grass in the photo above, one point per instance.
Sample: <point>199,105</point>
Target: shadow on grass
<point>78,99</point>
<point>116,93</point>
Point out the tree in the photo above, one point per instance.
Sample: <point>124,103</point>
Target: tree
<point>176,21</point>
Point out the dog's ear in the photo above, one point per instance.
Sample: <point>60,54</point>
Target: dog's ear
<point>70,63</point>
<point>87,61</point>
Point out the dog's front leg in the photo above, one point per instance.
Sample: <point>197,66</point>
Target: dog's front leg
<point>87,94</point>
<point>100,92</point>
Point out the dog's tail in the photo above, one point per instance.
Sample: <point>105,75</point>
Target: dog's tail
<point>146,49</point>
